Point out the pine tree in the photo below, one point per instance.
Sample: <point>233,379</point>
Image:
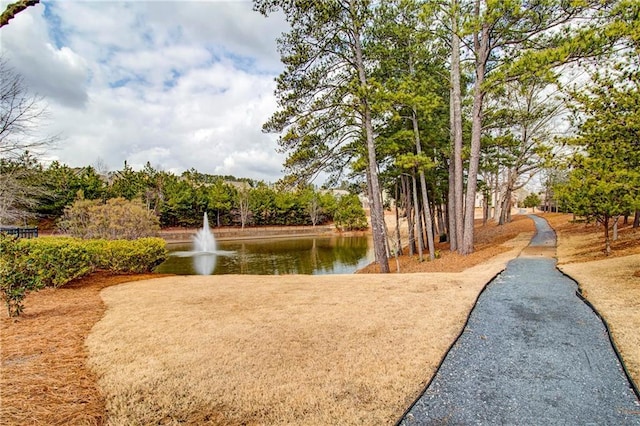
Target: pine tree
<point>325,96</point>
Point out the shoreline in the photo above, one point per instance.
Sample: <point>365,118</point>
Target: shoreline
<point>185,235</point>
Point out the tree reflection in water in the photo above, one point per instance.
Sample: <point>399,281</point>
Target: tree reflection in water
<point>312,256</point>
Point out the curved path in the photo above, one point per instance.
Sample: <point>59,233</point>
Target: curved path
<point>532,353</point>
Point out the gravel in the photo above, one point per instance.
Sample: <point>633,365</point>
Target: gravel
<point>532,353</point>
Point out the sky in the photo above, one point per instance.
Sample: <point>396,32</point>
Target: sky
<point>181,84</point>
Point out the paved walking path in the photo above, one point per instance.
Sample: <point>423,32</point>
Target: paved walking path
<point>532,353</point>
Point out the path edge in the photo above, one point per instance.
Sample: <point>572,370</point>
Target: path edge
<point>437,370</point>
<point>580,296</point>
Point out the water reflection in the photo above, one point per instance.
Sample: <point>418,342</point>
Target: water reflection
<point>315,256</point>
<point>205,264</point>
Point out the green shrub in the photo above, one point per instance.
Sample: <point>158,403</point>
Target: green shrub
<point>350,215</point>
<point>15,277</point>
<point>27,265</point>
<point>56,261</point>
<point>121,256</point>
<point>32,264</point>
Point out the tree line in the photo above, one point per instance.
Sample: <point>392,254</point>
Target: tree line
<point>177,200</point>
<point>442,102</point>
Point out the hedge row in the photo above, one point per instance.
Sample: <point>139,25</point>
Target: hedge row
<point>32,264</point>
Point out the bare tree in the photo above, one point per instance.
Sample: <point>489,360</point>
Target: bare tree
<point>314,209</point>
<point>15,199</point>
<point>21,114</point>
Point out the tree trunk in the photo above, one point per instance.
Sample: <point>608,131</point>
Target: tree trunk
<point>418,222</point>
<point>607,241</point>
<point>615,228</point>
<point>498,207</point>
<point>636,219</point>
<point>481,48</point>
<point>428,219</point>
<point>456,132</point>
<point>398,250</point>
<point>451,211</point>
<point>409,214</point>
<point>442,227</point>
<point>376,208</point>
<point>506,206</point>
<point>485,208</point>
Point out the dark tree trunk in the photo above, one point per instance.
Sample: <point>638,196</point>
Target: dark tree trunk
<point>607,240</point>
<point>456,224</point>
<point>482,50</point>
<point>451,211</point>
<point>376,208</point>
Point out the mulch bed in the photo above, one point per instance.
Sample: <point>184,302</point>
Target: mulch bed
<point>44,378</point>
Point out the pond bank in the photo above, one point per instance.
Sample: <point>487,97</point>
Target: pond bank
<point>183,235</point>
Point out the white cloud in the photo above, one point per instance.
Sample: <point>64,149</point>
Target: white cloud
<point>58,74</point>
<point>179,84</point>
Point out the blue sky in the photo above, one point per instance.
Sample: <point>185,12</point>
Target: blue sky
<point>180,84</point>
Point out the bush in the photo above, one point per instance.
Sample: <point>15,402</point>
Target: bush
<point>121,256</point>
<point>15,279</point>
<point>56,261</point>
<point>27,265</point>
<point>350,215</point>
<point>117,219</point>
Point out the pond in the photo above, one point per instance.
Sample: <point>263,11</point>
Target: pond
<point>308,255</point>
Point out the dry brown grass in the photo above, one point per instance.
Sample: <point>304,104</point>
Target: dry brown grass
<point>610,283</point>
<point>278,349</point>
<point>258,350</point>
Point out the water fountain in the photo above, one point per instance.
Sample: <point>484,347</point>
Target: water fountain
<point>204,241</point>
<point>205,251</point>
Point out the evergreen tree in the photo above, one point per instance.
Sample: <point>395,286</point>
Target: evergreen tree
<point>325,96</point>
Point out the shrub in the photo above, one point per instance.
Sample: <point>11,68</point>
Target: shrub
<point>349,214</point>
<point>56,261</point>
<point>121,256</point>
<point>33,264</point>
<point>27,265</point>
<point>15,279</point>
<point>117,219</point>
